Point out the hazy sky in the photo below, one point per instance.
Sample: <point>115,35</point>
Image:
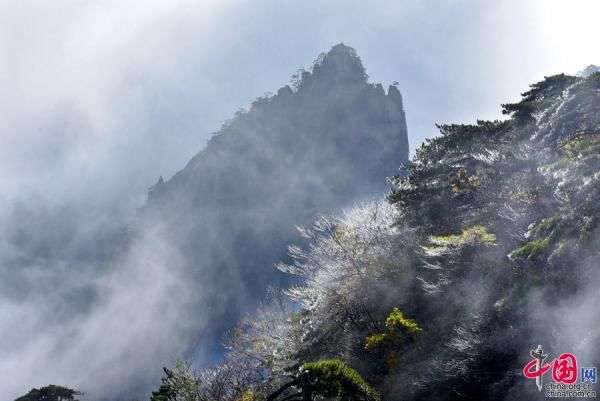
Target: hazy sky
<point>99,98</point>
<point>110,94</point>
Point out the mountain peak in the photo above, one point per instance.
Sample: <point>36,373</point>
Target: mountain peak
<point>291,157</point>
<point>340,64</point>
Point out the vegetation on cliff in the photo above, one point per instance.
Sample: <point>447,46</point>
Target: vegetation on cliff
<point>488,244</point>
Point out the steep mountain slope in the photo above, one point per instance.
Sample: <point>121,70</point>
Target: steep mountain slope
<point>488,247</point>
<point>317,148</point>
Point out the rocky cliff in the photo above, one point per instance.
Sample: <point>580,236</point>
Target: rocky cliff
<point>316,147</point>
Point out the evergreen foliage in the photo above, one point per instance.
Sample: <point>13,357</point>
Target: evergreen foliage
<point>336,379</point>
<point>331,379</point>
<point>50,393</point>
<point>178,385</point>
<point>399,329</point>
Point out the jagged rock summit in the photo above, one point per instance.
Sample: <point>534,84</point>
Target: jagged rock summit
<point>340,65</point>
<point>333,105</point>
<point>327,141</point>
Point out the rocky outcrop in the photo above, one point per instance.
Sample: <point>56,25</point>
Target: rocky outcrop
<point>321,146</point>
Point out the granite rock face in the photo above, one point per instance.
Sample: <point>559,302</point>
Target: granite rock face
<point>316,148</point>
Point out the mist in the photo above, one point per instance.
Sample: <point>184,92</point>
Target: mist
<point>100,99</point>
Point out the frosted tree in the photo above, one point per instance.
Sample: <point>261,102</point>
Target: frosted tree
<point>344,270</point>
